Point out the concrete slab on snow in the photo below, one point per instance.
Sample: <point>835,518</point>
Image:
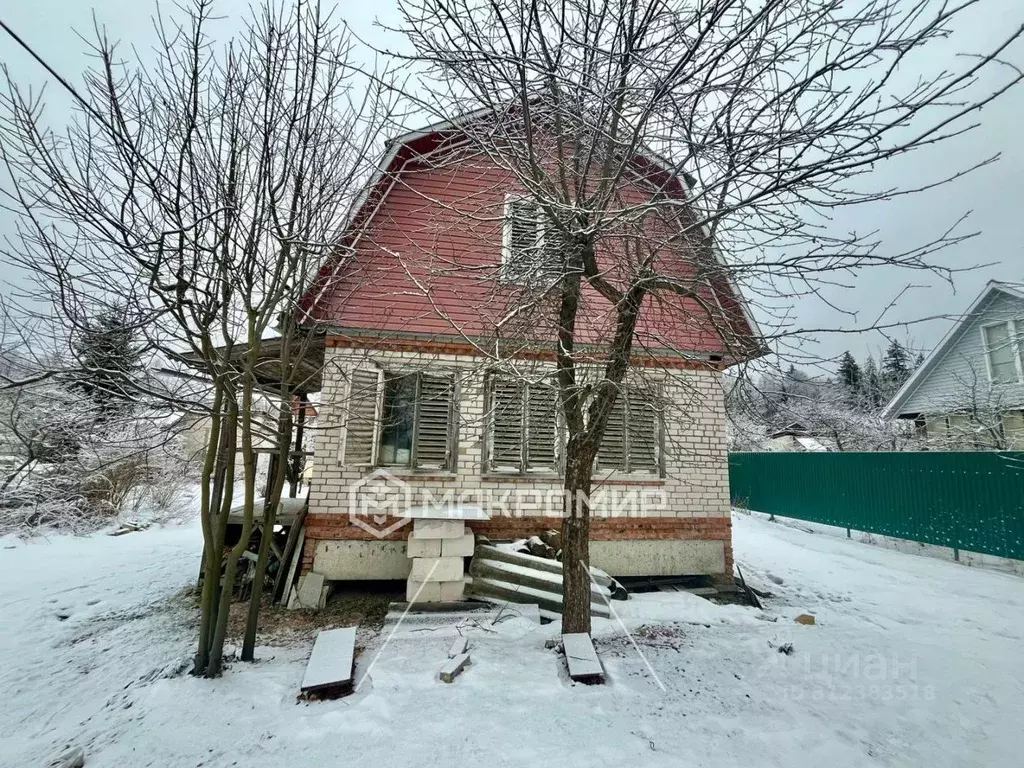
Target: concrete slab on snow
<point>331,663</point>
<point>584,666</point>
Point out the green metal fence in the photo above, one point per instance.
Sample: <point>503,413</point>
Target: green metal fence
<point>971,501</point>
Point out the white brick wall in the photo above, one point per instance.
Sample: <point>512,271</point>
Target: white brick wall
<point>696,482</point>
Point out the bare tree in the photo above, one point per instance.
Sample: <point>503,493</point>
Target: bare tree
<point>203,189</point>
<point>651,136</point>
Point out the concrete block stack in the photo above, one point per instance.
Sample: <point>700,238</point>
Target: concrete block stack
<point>437,549</point>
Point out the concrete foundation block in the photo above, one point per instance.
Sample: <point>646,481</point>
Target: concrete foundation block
<point>460,547</point>
<point>658,558</point>
<point>436,569</point>
<point>423,547</point>
<point>420,592</point>
<point>437,529</point>
<point>311,587</point>
<point>452,591</point>
<point>349,560</point>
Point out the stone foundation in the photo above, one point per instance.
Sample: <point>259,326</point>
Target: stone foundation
<point>656,546</point>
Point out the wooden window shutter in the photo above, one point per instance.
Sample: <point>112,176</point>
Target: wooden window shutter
<point>643,432</point>
<point>434,422</point>
<point>541,426</point>
<point>506,447</point>
<point>611,454</point>
<point>362,419</point>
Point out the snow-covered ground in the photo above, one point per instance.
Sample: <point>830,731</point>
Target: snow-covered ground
<point>913,661</point>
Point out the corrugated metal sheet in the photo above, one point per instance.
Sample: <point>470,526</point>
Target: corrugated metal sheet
<point>971,501</point>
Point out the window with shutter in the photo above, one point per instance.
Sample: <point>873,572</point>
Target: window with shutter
<point>523,433</point>
<point>506,444</point>
<point>611,454</point>
<point>541,427</point>
<point>361,422</point>
<point>643,433</point>
<point>434,421</point>
<point>632,437</point>
<point>400,420</point>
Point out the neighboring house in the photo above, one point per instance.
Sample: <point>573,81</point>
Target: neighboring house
<point>968,394</point>
<point>797,438</point>
<point>412,403</point>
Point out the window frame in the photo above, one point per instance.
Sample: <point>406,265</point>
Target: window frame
<point>382,410</point>
<point>451,447</point>
<point>1011,325</point>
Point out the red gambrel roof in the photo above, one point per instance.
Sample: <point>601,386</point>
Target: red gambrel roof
<point>419,258</point>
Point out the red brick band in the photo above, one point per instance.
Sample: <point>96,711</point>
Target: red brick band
<point>423,346</point>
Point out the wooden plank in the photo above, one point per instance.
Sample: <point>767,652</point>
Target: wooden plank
<point>291,556</point>
<point>331,663</point>
<point>454,668</point>
<point>584,666</point>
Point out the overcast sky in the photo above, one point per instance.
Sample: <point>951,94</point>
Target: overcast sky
<point>994,194</point>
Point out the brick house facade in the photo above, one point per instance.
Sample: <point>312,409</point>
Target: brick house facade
<point>414,409</point>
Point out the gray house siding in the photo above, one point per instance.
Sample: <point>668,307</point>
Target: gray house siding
<point>959,378</point>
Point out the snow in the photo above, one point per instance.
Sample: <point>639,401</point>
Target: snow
<point>913,661</point>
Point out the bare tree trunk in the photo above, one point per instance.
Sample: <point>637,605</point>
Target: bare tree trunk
<point>217,496</point>
<point>270,506</point>
<point>576,543</point>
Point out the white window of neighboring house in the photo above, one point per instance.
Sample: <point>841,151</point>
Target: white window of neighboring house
<point>529,248</point>
<point>1013,430</point>
<point>523,432</point>
<point>632,437</point>
<point>400,420</point>
<point>1002,352</point>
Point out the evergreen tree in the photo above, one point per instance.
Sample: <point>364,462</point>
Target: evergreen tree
<point>849,375</point>
<point>871,384</point>
<point>110,357</point>
<point>895,368</point>
<point>919,360</point>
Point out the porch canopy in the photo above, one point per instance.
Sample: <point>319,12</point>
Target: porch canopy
<point>306,354</point>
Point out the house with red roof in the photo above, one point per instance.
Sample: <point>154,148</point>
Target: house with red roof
<point>438,362</point>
